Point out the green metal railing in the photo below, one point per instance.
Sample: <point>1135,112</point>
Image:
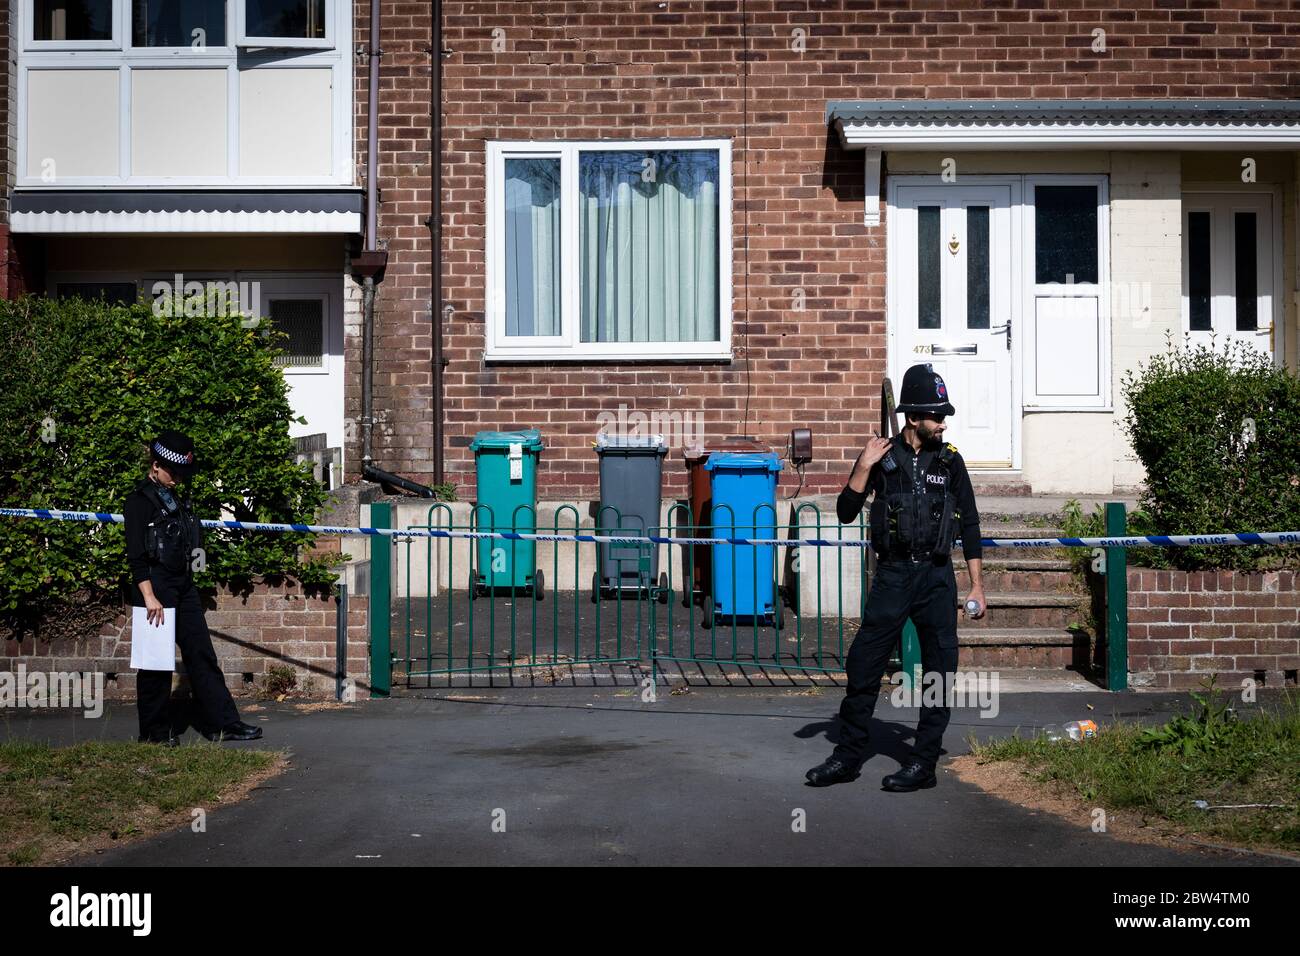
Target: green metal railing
<point>442,622</point>
<point>445,623</point>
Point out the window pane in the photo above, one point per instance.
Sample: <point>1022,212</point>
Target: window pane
<point>928,287</point>
<point>1247,291</point>
<point>303,320</point>
<point>191,23</point>
<point>1198,271</point>
<point>532,266</point>
<point>72,19</point>
<point>1065,233</point>
<point>977,267</point>
<point>288,19</point>
<point>649,245</point>
<point>118,293</point>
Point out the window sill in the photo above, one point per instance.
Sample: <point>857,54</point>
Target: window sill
<point>574,355</point>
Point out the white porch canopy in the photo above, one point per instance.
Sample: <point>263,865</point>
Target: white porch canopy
<point>175,212</point>
<point>876,126</point>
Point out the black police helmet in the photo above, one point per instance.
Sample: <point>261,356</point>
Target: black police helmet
<point>175,451</point>
<point>923,392</point>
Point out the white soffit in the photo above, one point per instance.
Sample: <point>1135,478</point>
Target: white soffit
<point>116,212</point>
<point>876,126</point>
<point>1065,124</point>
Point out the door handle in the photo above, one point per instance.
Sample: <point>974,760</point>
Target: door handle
<point>999,328</point>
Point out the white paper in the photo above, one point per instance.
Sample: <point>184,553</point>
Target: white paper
<point>153,646</point>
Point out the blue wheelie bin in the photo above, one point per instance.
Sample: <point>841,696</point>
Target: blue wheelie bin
<point>743,489</point>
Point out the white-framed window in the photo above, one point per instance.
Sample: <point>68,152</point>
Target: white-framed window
<point>180,24</point>
<point>283,23</point>
<point>172,93</point>
<point>610,250</point>
<point>177,24</point>
<point>1232,267</point>
<point>1066,334</point>
<point>72,24</point>
<point>304,318</point>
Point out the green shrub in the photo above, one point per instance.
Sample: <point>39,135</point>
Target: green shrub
<point>83,388</point>
<point>1216,431</point>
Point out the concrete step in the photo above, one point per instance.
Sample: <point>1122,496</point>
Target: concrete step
<point>1017,609</point>
<point>1000,579</point>
<point>1047,648</point>
<point>991,486</point>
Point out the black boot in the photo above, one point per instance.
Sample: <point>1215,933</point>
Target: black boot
<point>915,776</point>
<point>236,731</point>
<point>831,771</point>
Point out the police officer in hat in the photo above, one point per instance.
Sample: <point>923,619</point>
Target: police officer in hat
<point>922,496</point>
<point>162,540</point>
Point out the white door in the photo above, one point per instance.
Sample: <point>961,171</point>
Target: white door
<point>951,304</point>
<point>1229,280</point>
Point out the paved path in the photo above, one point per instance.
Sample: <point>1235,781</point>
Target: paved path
<point>593,775</point>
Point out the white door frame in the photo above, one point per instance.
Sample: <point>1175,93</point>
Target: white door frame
<point>894,362</point>
<point>1278,213</point>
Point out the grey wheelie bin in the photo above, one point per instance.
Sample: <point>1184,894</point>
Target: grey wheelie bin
<point>631,482</point>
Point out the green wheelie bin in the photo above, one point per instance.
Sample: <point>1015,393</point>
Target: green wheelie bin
<point>505,464</point>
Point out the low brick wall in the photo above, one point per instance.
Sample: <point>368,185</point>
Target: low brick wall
<point>1185,625</point>
<point>272,624</point>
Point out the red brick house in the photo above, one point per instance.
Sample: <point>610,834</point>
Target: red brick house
<point>716,218</point>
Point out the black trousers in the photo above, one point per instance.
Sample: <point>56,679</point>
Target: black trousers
<point>927,593</point>
<point>211,707</point>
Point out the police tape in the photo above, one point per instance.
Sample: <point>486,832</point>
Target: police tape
<point>1132,541</point>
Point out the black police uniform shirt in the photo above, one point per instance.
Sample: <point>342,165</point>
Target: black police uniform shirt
<point>161,535</point>
<point>918,473</point>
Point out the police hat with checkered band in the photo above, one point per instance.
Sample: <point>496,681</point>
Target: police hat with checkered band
<point>175,451</point>
<point>923,392</point>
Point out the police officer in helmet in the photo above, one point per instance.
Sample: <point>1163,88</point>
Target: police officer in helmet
<point>922,498</point>
<point>162,538</point>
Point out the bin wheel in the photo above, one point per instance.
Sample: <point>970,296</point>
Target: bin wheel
<point>663,587</point>
<point>706,613</point>
<point>539,586</point>
<point>595,587</point>
<point>473,588</point>
<point>778,616</point>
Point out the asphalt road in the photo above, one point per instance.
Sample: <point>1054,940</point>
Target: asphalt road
<point>596,776</point>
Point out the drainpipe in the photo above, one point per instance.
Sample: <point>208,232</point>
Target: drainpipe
<point>369,264</point>
<point>435,233</point>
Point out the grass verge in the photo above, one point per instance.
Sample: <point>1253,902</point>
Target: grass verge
<point>56,802</point>
<point>1159,774</point>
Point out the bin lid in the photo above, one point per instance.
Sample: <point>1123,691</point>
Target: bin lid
<point>530,438</point>
<point>694,452</point>
<point>746,462</point>
<point>645,444</point>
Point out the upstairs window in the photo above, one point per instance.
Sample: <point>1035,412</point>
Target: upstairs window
<point>72,24</point>
<point>283,23</point>
<point>178,23</point>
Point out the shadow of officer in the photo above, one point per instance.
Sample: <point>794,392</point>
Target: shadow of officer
<point>162,539</point>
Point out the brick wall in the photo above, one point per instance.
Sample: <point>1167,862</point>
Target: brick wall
<point>272,625</point>
<point>636,68</point>
<point>1184,626</point>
